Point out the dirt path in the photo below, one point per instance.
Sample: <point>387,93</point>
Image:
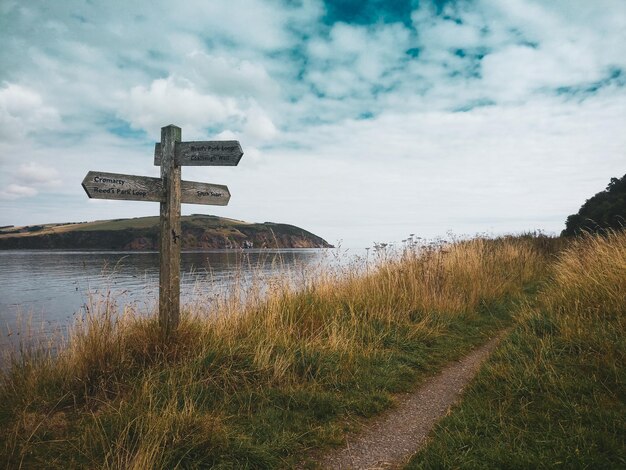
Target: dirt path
<point>390,440</point>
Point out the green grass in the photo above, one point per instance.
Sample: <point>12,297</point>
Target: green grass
<point>121,224</point>
<point>204,221</point>
<point>256,384</point>
<point>554,394</point>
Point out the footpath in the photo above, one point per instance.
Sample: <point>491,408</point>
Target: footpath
<point>389,441</point>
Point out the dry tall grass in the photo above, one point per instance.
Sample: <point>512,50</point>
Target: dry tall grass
<point>118,397</point>
<point>554,395</point>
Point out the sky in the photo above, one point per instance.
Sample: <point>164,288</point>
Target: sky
<point>361,121</point>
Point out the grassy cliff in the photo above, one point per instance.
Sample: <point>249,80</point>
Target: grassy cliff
<point>199,231</point>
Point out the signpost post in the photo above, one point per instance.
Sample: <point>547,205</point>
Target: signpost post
<point>170,154</point>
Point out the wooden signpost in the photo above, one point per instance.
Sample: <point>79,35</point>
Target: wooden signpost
<point>170,154</point>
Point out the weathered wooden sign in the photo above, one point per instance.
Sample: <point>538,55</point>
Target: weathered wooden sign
<point>170,191</point>
<point>209,153</point>
<point>101,185</point>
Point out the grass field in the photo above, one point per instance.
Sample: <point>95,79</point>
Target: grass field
<point>199,220</point>
<point>255,384</point>
<point>554,395</point>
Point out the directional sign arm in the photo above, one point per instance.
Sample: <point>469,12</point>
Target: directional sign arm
<point>204,193</point>
<point>204,153</point>
<point>101,185</point>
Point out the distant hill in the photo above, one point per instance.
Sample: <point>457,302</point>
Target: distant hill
<point>605,210</point>
<point>142,233</point>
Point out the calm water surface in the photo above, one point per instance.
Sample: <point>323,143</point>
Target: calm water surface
<point>52,287</point>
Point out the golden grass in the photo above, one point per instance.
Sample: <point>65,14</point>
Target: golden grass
<point>134,402</point>
<point>554,394</point>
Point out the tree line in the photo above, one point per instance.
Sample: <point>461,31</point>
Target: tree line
<point>604,211</point>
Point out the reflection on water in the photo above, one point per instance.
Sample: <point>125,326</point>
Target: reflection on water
<point>51,287</point>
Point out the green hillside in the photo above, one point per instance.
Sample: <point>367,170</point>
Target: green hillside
<point>142,233</point>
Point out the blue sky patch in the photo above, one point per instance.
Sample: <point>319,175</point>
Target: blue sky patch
<point>480,103</point>
<point>369,11</point>
<point>615,77</point>
<point>123,129</point>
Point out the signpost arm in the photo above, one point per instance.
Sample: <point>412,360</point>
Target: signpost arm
<point>170,237</point>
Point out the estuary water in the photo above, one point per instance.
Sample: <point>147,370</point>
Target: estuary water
<point>43,291</point>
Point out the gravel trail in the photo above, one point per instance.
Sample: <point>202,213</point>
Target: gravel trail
<point>390,440</point>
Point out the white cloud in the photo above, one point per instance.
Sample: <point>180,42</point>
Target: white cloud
<point>258,125</point>
<point>576,41</point>
<point>177,101</point>
<point>255,23</point>
<point>513,73</point>
<point>354,59</point>
<point>36,174</point>
<point>226,135</point>
<point>22,110</point>
<point>435,32</point>
<point>231,76</point>
<point>16,191</point>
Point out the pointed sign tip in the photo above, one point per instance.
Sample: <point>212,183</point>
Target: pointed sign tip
<point>85,188</point>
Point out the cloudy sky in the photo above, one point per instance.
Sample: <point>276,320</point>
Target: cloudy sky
<point>360,121</point>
